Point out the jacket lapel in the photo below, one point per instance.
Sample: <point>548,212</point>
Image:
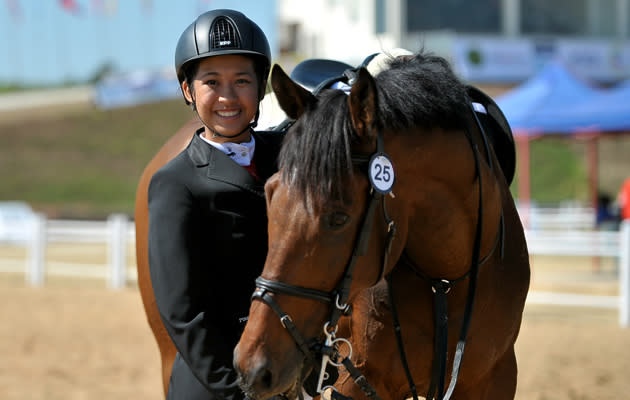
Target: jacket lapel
<point>220,167</point>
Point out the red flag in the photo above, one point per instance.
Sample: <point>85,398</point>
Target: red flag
<point>70,6</point>
<point>14,9</point>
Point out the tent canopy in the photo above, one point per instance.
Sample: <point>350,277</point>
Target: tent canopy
<point>556,102</point>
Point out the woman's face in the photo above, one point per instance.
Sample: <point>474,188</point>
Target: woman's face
<point>225,91</point>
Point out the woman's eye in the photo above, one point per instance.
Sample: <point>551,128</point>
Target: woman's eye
<point>337,219</point>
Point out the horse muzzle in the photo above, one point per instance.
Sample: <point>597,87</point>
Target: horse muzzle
<point>262,377</point>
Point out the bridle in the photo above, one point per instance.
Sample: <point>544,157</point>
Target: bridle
<point>338,297</point>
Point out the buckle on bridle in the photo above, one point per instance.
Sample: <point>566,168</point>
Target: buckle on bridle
<point>443,284</point>
<point>285,319</point>
<point>344,308</point>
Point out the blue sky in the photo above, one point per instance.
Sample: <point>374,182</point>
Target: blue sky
<point>43,43</point>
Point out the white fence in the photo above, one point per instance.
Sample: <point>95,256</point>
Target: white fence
<point>614,244</point>
<point>118,233</point>
<point>567,218</point>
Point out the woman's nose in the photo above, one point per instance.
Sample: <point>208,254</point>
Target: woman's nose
<point>228,93</point>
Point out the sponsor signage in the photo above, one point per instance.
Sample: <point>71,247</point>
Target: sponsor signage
<point>486,59</point>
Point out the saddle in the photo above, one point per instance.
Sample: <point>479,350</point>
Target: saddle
<point>497,129</point>
<point>318,74</point>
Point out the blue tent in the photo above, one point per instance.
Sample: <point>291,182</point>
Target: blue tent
<point>606,111</point>
<point>555,101</point>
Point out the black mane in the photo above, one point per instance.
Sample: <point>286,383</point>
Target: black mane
<point>419,91</point>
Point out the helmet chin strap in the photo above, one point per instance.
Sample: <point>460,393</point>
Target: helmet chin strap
<point>249,126</point>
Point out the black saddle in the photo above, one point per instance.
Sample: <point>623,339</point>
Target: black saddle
<point>498,131</point>
<point>318,73</point>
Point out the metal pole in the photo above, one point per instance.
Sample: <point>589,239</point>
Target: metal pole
<point>511,17</point>
<point>624,274</point>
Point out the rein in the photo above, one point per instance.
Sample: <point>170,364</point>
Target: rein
<point>338,297</point>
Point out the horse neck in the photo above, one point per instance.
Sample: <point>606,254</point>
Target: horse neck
<point>438,191</point>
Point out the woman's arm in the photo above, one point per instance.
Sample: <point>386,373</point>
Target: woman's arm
<point>178,289</point>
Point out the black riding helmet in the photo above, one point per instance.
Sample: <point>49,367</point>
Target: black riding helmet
<point>221,32</point>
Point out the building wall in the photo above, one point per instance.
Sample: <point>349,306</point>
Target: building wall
<point>491,41</point>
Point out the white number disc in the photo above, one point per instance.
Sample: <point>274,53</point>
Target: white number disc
<point>381,173</point>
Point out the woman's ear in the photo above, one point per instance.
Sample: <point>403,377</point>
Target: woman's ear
<point>186,91</point>
<point>263,90</point>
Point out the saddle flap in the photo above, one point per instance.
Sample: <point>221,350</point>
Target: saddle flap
<point>312,73</point>
<point>498,130</point>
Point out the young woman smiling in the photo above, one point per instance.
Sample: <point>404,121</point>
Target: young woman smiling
<point>207,216</point>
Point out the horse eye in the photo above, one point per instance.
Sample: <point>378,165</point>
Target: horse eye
<point>337,219</point>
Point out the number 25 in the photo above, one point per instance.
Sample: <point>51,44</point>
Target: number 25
<point>384,170</point>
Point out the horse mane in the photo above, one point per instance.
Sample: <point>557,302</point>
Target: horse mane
<point>417,91</point>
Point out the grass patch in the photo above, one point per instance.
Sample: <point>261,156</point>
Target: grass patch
<point>86,163</point>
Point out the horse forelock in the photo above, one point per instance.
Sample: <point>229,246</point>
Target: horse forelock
<point>316,156</point>
<point>415,92</point>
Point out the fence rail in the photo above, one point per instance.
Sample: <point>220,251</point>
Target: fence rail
<point>118,234</point>
<point>574,243</point>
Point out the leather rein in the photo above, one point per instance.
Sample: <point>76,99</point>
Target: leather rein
<point>329,349</point>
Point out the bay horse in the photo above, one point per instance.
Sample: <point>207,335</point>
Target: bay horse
<point>391,219</point>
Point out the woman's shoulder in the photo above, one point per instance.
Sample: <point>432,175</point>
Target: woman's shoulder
<point>271,134</point>
<point>270,137</point>
<point>174,172</point>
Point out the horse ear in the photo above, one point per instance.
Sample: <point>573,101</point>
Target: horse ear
<point>363,102</point>
<point>292,98</point>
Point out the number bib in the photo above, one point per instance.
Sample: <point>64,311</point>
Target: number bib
<point>381,173</point>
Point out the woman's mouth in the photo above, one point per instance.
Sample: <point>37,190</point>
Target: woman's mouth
<point>228,113</point>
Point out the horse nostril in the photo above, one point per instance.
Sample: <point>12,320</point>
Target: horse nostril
<point>265,379</point>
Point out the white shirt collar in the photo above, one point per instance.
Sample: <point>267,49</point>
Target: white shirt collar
<point>241,153</point>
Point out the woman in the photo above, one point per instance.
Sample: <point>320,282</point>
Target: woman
<point>207,218</point>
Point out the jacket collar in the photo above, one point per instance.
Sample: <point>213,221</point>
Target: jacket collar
<point>219,167</point>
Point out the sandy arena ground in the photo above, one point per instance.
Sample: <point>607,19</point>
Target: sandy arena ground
<point>75,339</point>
